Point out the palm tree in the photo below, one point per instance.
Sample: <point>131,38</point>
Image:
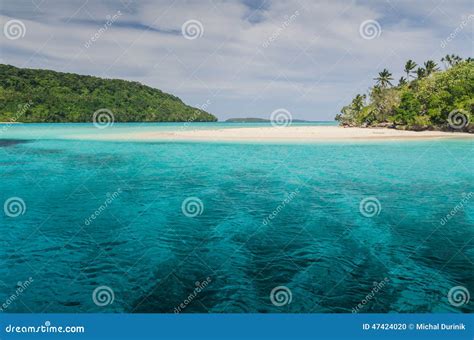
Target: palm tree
<point>358,102</point>
<point>430,67</point>
<point>402,81</point>
<point>384,78</point>
<point>420,72</point>
<point>409,67</point>
<point>447,61</point>
<point>451,60</point>
<point>456,59</point>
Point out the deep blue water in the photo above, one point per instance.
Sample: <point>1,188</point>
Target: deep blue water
<point>316,243</point>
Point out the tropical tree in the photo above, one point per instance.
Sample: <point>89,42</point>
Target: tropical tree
<point>457,59</point>
<point>447,61</point>
<point>451,60</point>
<point>420,72</point>
<point>383,101</point>
<point>408,109</point>
<point>430,67</point>
<point>409,67</point>
<point>425,103</point>
<point>358,102</point>
<point>384,78</point>
<point>350,112</point>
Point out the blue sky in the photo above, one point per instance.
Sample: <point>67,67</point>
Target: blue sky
<point>252,56</point>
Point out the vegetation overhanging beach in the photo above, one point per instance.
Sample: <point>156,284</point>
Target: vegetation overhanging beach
<point>426,99</point>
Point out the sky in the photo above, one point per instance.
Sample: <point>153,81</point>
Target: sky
<point>243,58</point>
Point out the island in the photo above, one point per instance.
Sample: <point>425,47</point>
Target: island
<point>45,96</point>
<point>427,98</point>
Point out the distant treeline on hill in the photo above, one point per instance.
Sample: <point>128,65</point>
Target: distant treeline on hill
<point>28,95</point>
<point>426,99</point>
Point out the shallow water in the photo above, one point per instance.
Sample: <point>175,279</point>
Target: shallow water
<point>69,130</point>
<point>317,243</point>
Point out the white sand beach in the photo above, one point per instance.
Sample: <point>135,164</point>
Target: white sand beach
<point>269,134</point>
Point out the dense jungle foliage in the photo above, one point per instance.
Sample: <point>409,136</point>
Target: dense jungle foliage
<point>29,95</point>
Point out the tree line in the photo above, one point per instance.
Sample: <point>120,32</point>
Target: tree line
<point>426,98</point>
<point>56,97</point>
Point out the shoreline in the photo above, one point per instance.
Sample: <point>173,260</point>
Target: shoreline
<point>278,134</point>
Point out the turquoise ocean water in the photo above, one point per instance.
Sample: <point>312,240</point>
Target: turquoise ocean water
<point>236,221</point>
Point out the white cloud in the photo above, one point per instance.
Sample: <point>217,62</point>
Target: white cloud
<point>312,63</point>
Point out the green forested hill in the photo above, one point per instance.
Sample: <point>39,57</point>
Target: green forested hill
<point>28,95</point>
<point>427,98</point>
